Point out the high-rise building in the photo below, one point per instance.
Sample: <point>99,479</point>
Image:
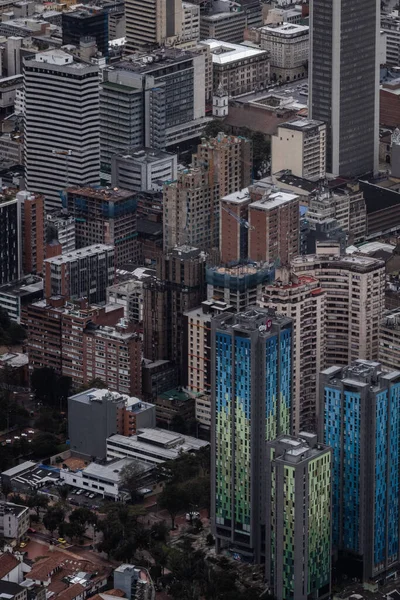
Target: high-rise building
<point>60,226</point>
<point>10,237</point>
<point>198,345</point>
<point>251,374</point>
<point>32,215</point>
<point>300,145</point>
<point>298,527</point>
<point>221,165</point>
<point>339,51</point>
<point>389,340</point>
<point>84,273</point>
<point>104,216</point>
<point>61,124</point>
<point>178,287</point>
<point>360,420</point>
<point>302,299</point>
<point>83,23</point>
<point>355,299</point>
<point>149,23</point>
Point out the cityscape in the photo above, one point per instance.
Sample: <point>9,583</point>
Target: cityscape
<point>199,300</point>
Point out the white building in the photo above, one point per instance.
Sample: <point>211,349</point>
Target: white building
<point>14,520</point>
<point>237,68</point>
<point>302,299</point>
<point>101,479</point>
<point>129,294</point>
<point>355,299</point>
<point>152,446</point>
<point>61,124</point>
<point>300,146</point>
<point>288,48</point>
<point>143,169</point>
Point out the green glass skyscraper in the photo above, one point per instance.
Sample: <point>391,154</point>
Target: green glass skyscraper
<point>251,367</point>
<point>298,525</point>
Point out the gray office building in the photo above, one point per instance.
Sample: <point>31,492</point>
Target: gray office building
<point>344,82</point>
<point>104,413</point>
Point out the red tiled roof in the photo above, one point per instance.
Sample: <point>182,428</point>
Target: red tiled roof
<point>71,592</point>
<point>8,562</point>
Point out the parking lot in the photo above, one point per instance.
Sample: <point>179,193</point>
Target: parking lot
<point>85,498</point>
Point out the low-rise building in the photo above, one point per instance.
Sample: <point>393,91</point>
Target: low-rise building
<point>238,69</point>
<point>174,404</point>
<point>288,48</point>
<point>143,169</point>
<point>153,446</point>
<point>104,479</point>
<point>14,297</point>
<point>12,591</point>
<point>14,520</point>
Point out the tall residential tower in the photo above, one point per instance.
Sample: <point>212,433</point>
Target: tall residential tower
<point>251,386</point>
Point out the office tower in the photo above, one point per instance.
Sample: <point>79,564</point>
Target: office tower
<point>251,386</point>
<point>33,235</point>
<point>300,145</point>
<point>104,413</point>
<point>104,216</point>
<point>221,165</point>
<point>344,43</point>
<point>154,100</point>
<point>61,124</point>
<point>389,340</point>
<point>60,226</point>
<point>190,31</point>
<point>10,237</point>
<point>227,23</point>
<point>149,23</point>
<point>355,299</point>
<point>143,169</point>
<point>178,287</point>
<point>298,527</point>
<point>84,273</point>
<point>302,299</point>
<point>86,23</point>
<point>197,349</point>
<point>360,421</point>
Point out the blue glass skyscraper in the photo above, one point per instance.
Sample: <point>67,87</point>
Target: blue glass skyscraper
<point>360,420</point>
<point>251,366</point>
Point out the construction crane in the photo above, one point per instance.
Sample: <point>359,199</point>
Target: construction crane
<point>241,221</point>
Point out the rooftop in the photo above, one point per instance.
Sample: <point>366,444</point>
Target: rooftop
<point>29,285</point>
<point>111,471</point>
<point>302,124</point>
<point>102,193</point>
<point>14,360</point>
<point>290,449</point>
<point>286,29</point>
<point>135,405</point>
<point>11,508</point>
<point>265,320</point>
<point>141,62</point>
<point>145,155</point>
<point>78,254</point>
<point>224,52</point>
<point>356,262</point>
<point>8,562</point>
<point>273,200</point>
<point>8,589</point>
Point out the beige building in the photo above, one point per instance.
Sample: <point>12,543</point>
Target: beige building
<point>150,23</point>
<point>190,30</point>
<point>300,146</point>
<point>238,69</point>
<point>191,203</point>
<point>288,48</point>
<point>302,299</point>
<point>389,340</point>
<point>355,299</point>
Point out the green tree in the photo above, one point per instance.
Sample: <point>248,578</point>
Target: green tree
<point>74,530</point>
<point>37,501</point>
<point>53,518</point>
<point>63,491</point>
<point>174,500</point>
<point>131,476</point>
<point>84,516</point>
<point>6,489</point>
<point>44,445</point>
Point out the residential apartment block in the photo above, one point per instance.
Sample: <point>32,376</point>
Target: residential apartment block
<point>84,273</point>
<point>360,421</point>
<point>14,520</point>
<point>389,340</point>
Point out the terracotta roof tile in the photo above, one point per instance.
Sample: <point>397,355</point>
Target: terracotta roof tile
<point>7,563</point>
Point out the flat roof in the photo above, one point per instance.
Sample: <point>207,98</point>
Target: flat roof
<point>239,197</point>
<point>224,52</point>
<point>81,253</point>
<point>25,466</point>
<point>286,29</point>
<point>112,471</point>
<point>113,194</point>
<point>273,201</point>
<point>302,124</point>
